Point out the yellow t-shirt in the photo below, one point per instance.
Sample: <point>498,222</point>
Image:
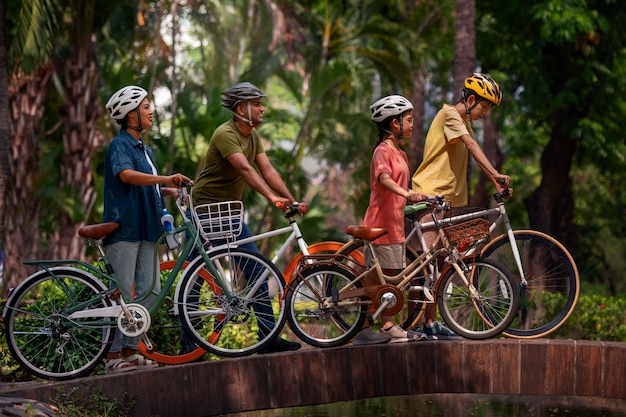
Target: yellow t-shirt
<point>444,167</point>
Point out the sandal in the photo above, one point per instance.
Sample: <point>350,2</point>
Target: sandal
<point>119,365</point>
<point>140,362</point>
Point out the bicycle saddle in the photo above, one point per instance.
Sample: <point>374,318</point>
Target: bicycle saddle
<point>97,231</point>
<point>366,233</point>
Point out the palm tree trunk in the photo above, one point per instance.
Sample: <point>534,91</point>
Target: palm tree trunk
<point>4,126</point>
<point>80,115</point>
<point>26,96</point>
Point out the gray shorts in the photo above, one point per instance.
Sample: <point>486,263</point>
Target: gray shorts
<point>390,256</point>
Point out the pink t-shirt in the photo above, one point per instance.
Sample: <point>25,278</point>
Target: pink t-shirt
<point>386,208</point>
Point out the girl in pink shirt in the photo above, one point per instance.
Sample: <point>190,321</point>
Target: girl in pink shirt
<point>389,194</point>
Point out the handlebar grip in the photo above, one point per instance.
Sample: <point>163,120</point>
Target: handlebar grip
<point>279,204</point>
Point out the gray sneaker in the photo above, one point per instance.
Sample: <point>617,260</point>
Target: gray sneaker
<point>368,337</point>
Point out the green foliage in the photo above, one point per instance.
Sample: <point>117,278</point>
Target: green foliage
<point>596,317</point>
<point>92,403</point>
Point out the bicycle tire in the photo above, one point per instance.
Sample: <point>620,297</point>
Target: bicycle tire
<point>486,308</point>
<point>552,278</point>
<point>165,333</point>
<point>289,272</point>
<point>315,324</point>
<point>231,328</point>
<point>41,337</point>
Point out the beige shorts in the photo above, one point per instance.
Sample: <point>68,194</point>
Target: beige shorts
<point>390,256</point>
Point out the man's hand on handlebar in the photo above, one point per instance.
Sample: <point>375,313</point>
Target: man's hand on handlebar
<point>301,208</point>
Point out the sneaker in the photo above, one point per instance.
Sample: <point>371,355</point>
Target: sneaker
<point>280,345</point>
<point>368,337</point>
<point>399,335</point>
<point>436,330</point>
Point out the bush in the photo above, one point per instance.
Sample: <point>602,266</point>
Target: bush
<point>595,317</point>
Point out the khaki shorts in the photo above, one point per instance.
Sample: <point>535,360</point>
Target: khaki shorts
<point>390,256</point>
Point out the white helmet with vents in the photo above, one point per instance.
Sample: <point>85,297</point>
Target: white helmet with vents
<point>125,100</point>
<point>389,106</point>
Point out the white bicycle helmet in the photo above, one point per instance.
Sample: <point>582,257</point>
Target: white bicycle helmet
<point>125,100</point>
<point>389,106</point>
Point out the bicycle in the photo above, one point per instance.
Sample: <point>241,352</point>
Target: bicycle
<point>60,321</point>
<point>477,297</point>
<point>170,349</point>
<point>545,269</point>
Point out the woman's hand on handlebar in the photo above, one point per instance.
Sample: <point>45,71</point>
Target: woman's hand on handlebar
<point>177,180</point>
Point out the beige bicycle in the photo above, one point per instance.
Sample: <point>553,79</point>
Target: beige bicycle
<point>477,297</point>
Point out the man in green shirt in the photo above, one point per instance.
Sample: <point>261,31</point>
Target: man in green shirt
<point>235,158</point>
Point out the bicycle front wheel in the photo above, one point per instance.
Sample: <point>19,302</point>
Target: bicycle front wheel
<point>553,284</point>
<point>41,336</point>
<point>235,306</point>
<point>316,314</point>
<point>484,308</point>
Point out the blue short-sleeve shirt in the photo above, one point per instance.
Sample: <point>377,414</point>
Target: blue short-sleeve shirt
<point>137,208</point>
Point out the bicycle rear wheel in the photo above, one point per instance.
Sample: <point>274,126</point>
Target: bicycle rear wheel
<point>231,315</point>
<point>486,307</point>
<point>553,282</point>
<point>40,334</point>
<point>313,315</point>
<point>170,345</point>
<point>355,252</point>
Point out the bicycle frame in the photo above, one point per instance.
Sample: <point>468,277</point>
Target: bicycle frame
<point>294,234</point>
<point>102,272</point>
<point>502,218</point>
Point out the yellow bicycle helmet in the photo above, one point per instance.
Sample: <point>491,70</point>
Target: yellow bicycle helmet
<point>485,87</point>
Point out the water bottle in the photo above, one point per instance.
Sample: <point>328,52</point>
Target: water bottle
<point>167,220</point>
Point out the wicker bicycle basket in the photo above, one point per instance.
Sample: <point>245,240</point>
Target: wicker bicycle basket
<point>219,220</point>
<point>468,233</point>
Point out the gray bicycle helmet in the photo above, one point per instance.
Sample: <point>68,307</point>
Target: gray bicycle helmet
<point>241,92</point>
<point>125,100</point>
<point>393,105</point>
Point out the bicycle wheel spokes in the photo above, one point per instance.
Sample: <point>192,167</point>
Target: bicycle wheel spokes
<point>170,343</point>
<point>553,283</point>
<point>39,333</point>
<point>313,315</point>
<point>483,310</point>
<point>241,317</point>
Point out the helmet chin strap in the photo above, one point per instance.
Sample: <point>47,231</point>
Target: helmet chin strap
<point>249,119</point>
<point>401,134</point>
<point>468,109</point>
<point>137,128</point>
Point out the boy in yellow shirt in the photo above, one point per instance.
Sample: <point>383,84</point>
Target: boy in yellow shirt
<point>443,170</point>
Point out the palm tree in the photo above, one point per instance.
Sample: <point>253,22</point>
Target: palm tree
<point>80,113</point>
<point>4,125</point>
<point>30,74</point>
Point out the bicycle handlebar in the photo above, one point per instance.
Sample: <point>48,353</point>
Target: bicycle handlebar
<point>292,209</point>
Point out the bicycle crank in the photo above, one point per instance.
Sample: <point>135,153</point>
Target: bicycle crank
<point>137,323</point>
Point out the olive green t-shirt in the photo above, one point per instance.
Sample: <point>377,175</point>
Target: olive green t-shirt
<point>218,180</point>
<point>444,167</point>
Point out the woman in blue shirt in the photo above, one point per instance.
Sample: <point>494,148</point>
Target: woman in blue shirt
<point>133,197</point>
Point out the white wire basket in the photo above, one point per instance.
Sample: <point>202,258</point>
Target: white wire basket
<point>219,220</point>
